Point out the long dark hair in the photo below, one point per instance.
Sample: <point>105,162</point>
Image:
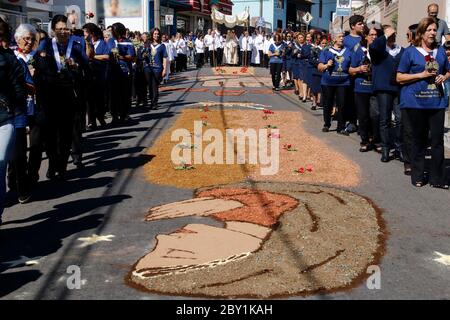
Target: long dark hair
<point>151,35</point>
<point>118,30</point>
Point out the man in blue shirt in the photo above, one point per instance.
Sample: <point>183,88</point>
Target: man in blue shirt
<point>352,44</point>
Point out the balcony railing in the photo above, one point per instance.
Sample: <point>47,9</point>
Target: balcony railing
<point>390,7</point>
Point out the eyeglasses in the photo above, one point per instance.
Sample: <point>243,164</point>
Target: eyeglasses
<point>29,39</point>
<point>62,30</point>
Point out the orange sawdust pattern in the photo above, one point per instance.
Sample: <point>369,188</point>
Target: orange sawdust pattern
<point>229,93</point>
<point>161,169</point>
<point>261,91</point>
<point>260,207</point>
<point>233,71</point>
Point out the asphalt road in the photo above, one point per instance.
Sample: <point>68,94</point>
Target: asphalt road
<point>110,197</point>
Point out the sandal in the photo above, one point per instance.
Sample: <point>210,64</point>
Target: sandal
<point>407,170</point>
<point>440,186</point>
<point>364,148</point>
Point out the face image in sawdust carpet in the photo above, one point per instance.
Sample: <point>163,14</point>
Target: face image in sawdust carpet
<point>285,237</point>
<point>278,239</point>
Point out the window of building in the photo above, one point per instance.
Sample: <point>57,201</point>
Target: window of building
<point>279,23</point>
<point>320,8</point>
<point>280,4</point>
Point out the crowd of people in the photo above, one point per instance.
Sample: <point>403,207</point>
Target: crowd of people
<point>393,97</point>
<point>54,88</point>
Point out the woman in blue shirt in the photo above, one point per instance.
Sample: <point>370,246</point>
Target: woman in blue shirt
<point>122,57</point>
<point>422,71</point>
<point>334,63</point>
<point>316,76</point>
<point>98,66</point>
<point>300,53</point>
<point>367,112</point>
<point>154,57</point>
<point>18,180</point>
<point>276,62</point>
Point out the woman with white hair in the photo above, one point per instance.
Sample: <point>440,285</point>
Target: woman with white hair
<point>12,102</point>
<point>18,178</point>
<point>334,63</point>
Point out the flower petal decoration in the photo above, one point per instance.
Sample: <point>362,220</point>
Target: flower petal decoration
<point>309,168</point>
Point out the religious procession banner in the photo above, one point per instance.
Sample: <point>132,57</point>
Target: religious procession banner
<point>230,21</point>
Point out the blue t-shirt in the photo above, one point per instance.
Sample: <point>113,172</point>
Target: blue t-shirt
<point>100,67</point>
<point>363,82</point>
<point>126,48</point>
<point>423,94</point>
<point>337,75</point>
<point>289,47</point>
<point>352,43</point>
<point>154,62</point>
<point>273,48</point>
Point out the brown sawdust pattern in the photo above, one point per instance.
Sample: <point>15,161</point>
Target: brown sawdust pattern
<point>260,207</point>
<point>328,166</point>
<point>229,93</point>
<point>161,169</point>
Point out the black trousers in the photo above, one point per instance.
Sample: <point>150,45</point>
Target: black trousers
<point>181,62</point>
<point>200,57</point>
<point>153,79</point>
<point>275,71</point>
<point>368,117</point>
<point>140,86</point>
<point>423,122</point>
<point>206,55</point>
<point>246,58</point>
<point>332,95</point>
<point>17,169</point>
<point>408,139</point>
<point>261,58</point>
<point>213,58</point>
<point>387,105</point>
<point>96,101</point>
<point>120,94</point>
<point>219,56</point>
<point>266,61</point>
<point>59,127</point>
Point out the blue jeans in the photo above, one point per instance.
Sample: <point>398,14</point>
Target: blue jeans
<point>387,105</point>
<point>6,143</point>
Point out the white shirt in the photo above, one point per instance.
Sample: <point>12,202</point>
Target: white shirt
<point>172,47</point>
<point>199,46</point>
<point>267,44</point>
<point>208,40</point>
<point>169,50</point>
<point>180,45</point>
<point>259,42</point>
<point>247,44</point>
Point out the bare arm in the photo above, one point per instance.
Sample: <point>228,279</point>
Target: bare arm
<point>358,70</point>
<point>322,67</point>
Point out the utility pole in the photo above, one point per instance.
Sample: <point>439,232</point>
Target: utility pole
<point>157,13</point>
<point>261,2</point>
